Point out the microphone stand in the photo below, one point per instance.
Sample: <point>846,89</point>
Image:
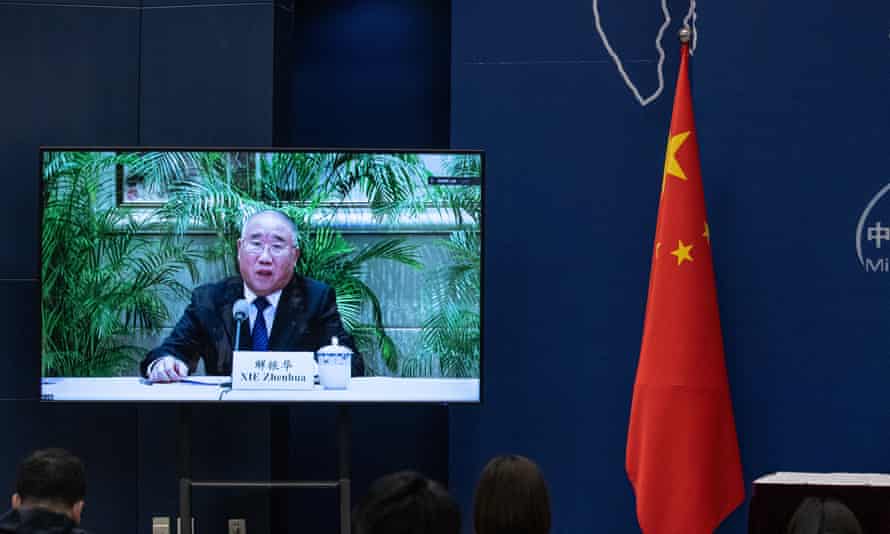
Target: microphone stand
<point>238,321</point>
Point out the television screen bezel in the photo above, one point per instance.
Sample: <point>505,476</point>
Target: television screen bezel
<point>264,149</point>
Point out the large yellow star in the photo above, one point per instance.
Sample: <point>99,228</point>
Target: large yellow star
<point>682,252</point>
<point>671,165</point>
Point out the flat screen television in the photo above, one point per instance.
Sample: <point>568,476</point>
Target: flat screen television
<point>250,275</point>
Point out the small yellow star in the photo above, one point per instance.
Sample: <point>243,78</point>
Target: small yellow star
<point>707,232</point>
<point>671,165</point>
<point>657,248</point>
<point>682,252</point>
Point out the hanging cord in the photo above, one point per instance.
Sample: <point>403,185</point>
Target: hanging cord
<point>690,15</point>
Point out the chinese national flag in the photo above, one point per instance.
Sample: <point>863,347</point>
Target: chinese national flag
<point>682,450</point>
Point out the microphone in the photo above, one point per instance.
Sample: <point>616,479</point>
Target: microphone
<point>239,312</point>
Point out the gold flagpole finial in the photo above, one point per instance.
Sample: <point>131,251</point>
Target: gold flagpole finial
<point>684,34</point>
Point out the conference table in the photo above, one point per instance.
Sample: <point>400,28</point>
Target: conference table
<point>375,389</point>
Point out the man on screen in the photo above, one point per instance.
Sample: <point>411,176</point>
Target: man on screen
<point>287,312</point>
<point>49,492</point>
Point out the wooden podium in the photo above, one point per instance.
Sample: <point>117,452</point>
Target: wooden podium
<point>777,496</point>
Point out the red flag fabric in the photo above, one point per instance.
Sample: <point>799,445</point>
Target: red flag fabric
<point>682,451</point>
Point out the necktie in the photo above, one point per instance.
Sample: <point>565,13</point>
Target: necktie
<point>260,332</point>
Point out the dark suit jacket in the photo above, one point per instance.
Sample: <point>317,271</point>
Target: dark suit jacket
<point>305,320</point>
<point>37,521</point>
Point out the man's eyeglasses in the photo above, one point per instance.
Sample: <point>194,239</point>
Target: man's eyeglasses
<point>255,248</point>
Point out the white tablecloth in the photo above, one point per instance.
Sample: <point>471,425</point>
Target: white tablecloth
<point>370,389</point>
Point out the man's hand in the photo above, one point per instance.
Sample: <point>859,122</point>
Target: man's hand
<point>167,369</point>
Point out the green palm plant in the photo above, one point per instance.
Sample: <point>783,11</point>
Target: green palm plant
<point>326,255</point>
<point>102,276</point>
<point>451,333</point>
<point>302,184</point>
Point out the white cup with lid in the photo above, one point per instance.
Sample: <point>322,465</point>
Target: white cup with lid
<point>334,365</point>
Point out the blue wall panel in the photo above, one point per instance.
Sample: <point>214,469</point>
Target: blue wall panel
<point>102,436</point>
<point>792,126</point>
<point>370,74</point>
<point>69,79</point>
<point>227,443</point>
<point>207,75</point>
<point>20,331</point>
<point>87,76</point>
<point>384,439</point>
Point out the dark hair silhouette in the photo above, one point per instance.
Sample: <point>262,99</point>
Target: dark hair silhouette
<point>823,515</point>
<point>53,476</point>
<point>511,498</point>
<point>406,503</point>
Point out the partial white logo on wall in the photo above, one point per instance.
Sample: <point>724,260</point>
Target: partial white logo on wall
<point>873,234</point>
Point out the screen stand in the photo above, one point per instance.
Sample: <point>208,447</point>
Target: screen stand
<point>186,484</point>
<point>184,458</point>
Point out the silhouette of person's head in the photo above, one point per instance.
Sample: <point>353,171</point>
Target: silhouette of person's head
<point>406,503</point>
<point>823,515</point>
<point>51,479</point>
<point>511,498</point>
